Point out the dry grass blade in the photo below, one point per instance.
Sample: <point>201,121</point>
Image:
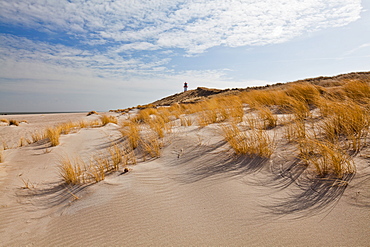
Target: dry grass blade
<point>65,128</point>
<point>158,125</point>
<point>98,168</point>
<point>13,122</point>
<point>6,121</point>
<point>116,156</point>
<point>27,184</point>
<point>253,142</point>
<point>72,171</point>
<point>295,131</point>
<point>151,146</point>
<point>37,136</point>
<point>53,134</point>
<point>129,158</point>
<point>347,120</point>
<point>144,115</point>
<point>105,119</point>
<point>186,121</point>
<point>358,91</point>
<point>298,107</point>
<point>305,92</point>
<point>22,142</point>
<point>269,119</point>
<point>263,97</point>
<point>131,130</point>
<point>327,158</point>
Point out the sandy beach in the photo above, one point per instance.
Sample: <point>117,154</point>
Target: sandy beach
<point>197,193</point>
<point>205,123</point>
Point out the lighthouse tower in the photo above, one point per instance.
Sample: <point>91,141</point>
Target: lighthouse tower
<point>185,86</point>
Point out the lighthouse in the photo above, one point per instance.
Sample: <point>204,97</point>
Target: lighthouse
<point>185,86</point>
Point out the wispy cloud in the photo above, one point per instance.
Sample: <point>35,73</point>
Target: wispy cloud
<point>193,26</point>
<point>359,48</point>
<point>35,66</point>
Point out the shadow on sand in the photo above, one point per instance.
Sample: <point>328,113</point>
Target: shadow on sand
<point>53,195</point>
<point>306,193</point>
<point>205,162</point>
<point>301,192</point>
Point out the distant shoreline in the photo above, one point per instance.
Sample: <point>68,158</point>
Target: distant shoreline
<point>31,113</point>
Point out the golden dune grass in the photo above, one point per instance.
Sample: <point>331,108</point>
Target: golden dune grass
<point>105,119</point>
<point>23,142</point>
<point>92,113</point>
<point>75,171</point>
<point>13,122</point>
<point>295,131</point>
<point>115,156</point>
<point>263,97</point>
<point>158,125</point>
<point>252,142</point>
<point>4,120</point>
<point>348,121</point>
<point>305,92</point>
<point>326,157</point>
<point>53,134</point>
<point>186,121</point>
<point>167,115</point>
<point>268,118</point>
<point>37,136</point>
<point>358,91</point>
<point>71,171</point>
<point>151,146</point>
<point>144,115</point>
<point>131,130</point>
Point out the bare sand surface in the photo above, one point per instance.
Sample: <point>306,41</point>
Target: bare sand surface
<point>195,194</point>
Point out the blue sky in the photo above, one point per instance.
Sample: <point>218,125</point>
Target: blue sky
<point>79,55</point>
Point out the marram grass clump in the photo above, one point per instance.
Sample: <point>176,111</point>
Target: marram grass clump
<point>252,142</point>
<point>53,134</point>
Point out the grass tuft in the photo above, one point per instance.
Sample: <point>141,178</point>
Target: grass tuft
<point>116,156</point>
<point>327,158</point>
<point>253,142</point>
<point>13,122</point>
<point>37,136</point>
<point>131,130</point>
<point>269,119</point>
<point>346,121</point>
<point>6,121</point>
<point>358,91</point>
<point>53,134</point>
<point>92,113</point>
<point>105,119</point>
<point>72,171</point>
<point>151,145</point>
<point>186,121</point>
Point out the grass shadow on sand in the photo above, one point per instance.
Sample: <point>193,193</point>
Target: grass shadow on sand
<point>306,193</point>
<point>206,161</point>
<point>52,195</point>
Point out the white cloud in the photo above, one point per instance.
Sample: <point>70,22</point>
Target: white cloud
<point>39,67</point>
<point>193,26</point>
<point>104,64</point>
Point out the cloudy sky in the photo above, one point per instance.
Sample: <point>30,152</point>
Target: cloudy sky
<point>79,55</point>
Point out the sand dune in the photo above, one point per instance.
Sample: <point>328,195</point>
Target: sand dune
<point>196,194</point>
